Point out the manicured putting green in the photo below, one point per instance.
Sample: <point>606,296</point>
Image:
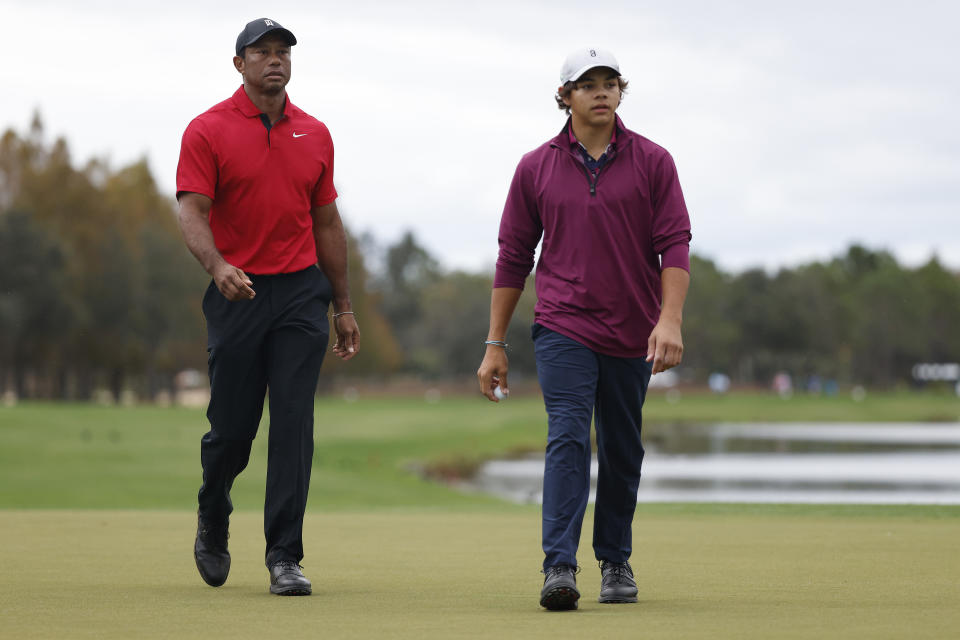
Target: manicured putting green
<point>441,574</point>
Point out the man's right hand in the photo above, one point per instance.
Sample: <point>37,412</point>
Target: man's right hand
<point>493,372</point>
<point>233,283</point>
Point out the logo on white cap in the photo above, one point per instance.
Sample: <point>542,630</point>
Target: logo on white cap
<point>582,60</point>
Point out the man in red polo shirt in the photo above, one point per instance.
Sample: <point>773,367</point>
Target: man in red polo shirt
<point>611,282</point>
<point>258,211</point>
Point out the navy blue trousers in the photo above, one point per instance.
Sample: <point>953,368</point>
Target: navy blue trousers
<point>276,341</point>
<point>578,384</point>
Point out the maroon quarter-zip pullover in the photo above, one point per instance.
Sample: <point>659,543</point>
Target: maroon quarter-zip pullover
<point>606,238</point>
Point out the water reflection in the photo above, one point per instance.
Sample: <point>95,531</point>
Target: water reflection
<point>812,463</point>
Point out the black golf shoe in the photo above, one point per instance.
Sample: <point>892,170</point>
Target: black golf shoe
<point>210,551</point>
<point>617,584</point>
<point>559,591</point>
<point>286,579</point>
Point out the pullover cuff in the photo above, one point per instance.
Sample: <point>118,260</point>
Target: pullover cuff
<point>676,255</point>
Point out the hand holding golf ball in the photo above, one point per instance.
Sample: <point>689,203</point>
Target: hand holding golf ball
<point>499,392</point>
<point>492,374</point>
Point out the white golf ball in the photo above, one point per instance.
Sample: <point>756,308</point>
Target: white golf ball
<point>499,394</point>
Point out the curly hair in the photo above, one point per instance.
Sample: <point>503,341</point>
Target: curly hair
<point>565,90</point>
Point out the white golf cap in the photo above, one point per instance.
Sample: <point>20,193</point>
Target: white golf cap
<point>582,60</point>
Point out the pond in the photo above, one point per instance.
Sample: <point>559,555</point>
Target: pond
<point>776,463</point>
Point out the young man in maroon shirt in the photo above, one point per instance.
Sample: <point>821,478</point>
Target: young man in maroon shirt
<point>611,281</point>
<point>258,210</point>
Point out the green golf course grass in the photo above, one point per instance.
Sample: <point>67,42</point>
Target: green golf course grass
<point>366,454</point>
<point>97,518</point>
<point>438,574</point>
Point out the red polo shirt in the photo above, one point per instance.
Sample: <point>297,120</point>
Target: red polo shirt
<point>263,182</point>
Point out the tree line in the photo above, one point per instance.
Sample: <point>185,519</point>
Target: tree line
<point>97,290</point>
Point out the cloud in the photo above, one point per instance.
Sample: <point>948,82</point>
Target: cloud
<point>796,130</point>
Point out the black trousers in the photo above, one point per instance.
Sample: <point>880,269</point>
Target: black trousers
<point>276,341</point>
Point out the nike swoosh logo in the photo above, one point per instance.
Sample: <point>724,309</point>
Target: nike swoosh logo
<point>298,135</point>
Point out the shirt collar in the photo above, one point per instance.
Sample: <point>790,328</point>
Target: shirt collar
<point>575,144</point>
<point>243,102</point>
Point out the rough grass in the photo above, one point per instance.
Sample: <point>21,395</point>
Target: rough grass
<point>441,574</point>
<point>900,406</point>
<point>85,456</point>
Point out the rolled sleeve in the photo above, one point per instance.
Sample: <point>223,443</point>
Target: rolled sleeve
<point>671,222</point>
<point>676,255</point>
<point>520,232</point>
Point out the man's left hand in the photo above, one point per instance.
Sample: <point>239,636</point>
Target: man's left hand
<point>348,336</point>
<point>665,346</point>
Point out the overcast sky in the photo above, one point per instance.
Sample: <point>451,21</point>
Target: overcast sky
<point>796,130</point>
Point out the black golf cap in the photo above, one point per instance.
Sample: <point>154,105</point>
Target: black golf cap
<point>258,28</point>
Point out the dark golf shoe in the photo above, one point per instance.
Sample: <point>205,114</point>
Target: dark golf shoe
<point>286,579</point>
<point>559,591</point>
<point>617,583</point>
<point>210,551</point>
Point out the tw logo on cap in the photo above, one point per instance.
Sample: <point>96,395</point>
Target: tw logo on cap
<point>269,23</point>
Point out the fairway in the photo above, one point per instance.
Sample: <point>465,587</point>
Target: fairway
<point>97,526</point>
<point>429,574</point>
